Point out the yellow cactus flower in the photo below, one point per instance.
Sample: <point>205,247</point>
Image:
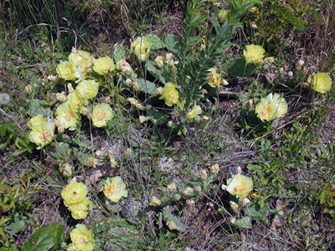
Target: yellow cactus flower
<point>65,70</point>
<point>80,210</point>
<point>280,103</point>
<point>75,100</point>
<point>266,109</point>
<point>35,121</point>
<point>141,47</point>
<point>103,65</point>
<point>170,94</point>
<point>239,185</point>
<point>101,114</point>
<point>253,53</point>
<point>67,117</point>
<point>87,89</point>
<point>194,112</point>
<point>76,56</point>
<point>214,78</point>
<point>321,82</point>
<point>74,193</point>
<point>82,238</point>
<point>115,189</point>
<point>42,134</point>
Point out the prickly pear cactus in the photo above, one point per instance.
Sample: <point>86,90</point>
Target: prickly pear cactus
<point>176,222</point>
<point>146,86</point>
<point>156,43</point>
<point>119,53</point>
<point>238,67</point>
<point>256,212</point>
<point>244,222</point>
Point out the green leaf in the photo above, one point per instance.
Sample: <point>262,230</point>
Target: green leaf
<point>156,42</point>
<point>173,44</point>
<point>239,67</point>
<point>45,238</point>
<point>168,216</point>
<point>146,86</point>
<point>159,116</point>
<point>119,53</point>
<point>154,72</point>
<point>256,212</point>
<point>244,222</point>
<point>17,224</point>
<point>36,108</point>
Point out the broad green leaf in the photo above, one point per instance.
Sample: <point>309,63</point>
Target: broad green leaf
<point>119,53</point>
<point>45,238</point>
<point>173,43</point>
<point>156,42</point>
<point>146,86</point>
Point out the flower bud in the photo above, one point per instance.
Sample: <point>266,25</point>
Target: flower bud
<point>155,202</point>
<point>299,64</point>
<point>172,187</point>
<point>215,169</point>
<point>203,174</point>
<point>28,89</point>
<point>188,191</point>
<point>190,203</point>
<point>233,205</point>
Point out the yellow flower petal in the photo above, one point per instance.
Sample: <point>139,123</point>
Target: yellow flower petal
<point>115,189</point>
<point>266,109</point>
<point>74,193</point>
<point>239,185</point>
<point>42,134</point>
<point>253,53</point>
<point>103,65</point>
<point>80,210</point>
<point>321,82</point>
<point>82,238</point>
<point>170,94</point>
<point>87,89</point>
<point>67,116</point>
<point>65,70</point>
<point>214,78</point>
<point>101,114</point>
<point>35,121</point>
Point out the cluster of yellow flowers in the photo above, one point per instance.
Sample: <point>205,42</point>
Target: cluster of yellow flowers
<point>82,239</point>
<point>115,189</point>
<point>75,198</point>
<point>272,106</point>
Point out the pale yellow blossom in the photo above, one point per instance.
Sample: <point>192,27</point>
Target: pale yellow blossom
<point>253,53</point>
<point>115,189</point>
<point>74,193</point>
<point>239,185</point>
<point>82,238</point>
<point>170,94</point>
<point>103,65</point>
<point>101,114</point>
<point>321,82</point>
